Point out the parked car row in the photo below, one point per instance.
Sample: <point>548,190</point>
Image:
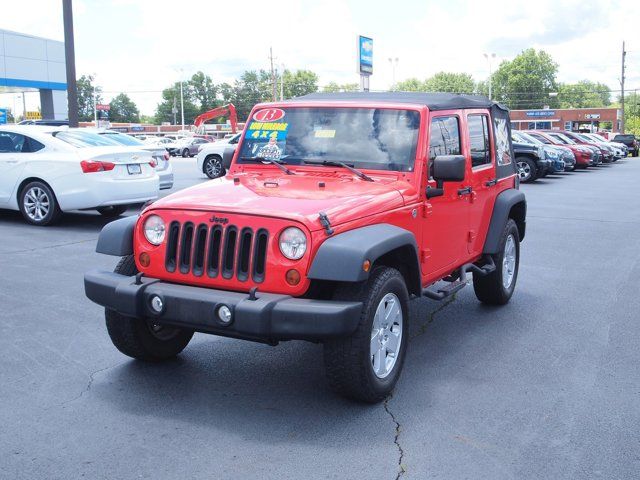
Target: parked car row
<point>47,170</point>
<point>542,152</point>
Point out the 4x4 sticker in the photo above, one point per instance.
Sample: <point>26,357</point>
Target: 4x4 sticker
<point>267,130</point>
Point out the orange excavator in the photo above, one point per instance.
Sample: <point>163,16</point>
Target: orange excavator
<point>223,111</point>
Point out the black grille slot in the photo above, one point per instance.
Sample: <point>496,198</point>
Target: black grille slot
<point>260,255</point>
<point>199,249</point>
<point>229,250</point>
<point>244,254</point>
<point>172,247</point>
<point>186,242</point>
<point>213,262</point>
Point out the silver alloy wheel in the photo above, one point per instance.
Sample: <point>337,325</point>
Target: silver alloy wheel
<point>509,262</point>
<point>524,170</point>
<point>36,203</point>
<point>212,167</point>
<point>386,335</point>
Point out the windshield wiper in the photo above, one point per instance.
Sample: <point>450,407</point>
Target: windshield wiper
<point>277,163</point>
<point>335,163</point>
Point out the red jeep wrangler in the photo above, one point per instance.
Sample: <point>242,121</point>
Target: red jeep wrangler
<point>337,209</point>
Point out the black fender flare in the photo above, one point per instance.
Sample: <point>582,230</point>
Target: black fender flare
<point>341,257</point>
<point>503,209</point>
<point>116,238</point>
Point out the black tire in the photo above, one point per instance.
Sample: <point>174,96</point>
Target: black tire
<point>139,338</point>
<point>36,198</point>
<point>112,211</point>
<point>212,166</point>
<point>491,289</point>
<point>528,173</point>
<point>348,361</point>
<point>185,153</point>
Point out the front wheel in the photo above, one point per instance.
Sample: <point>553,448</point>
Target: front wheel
<point>366,365</point>
<point>527,169</point>
<point>212,166</point>
<point>141,338</point>
<point>185,153</point>
<point>497,287</point>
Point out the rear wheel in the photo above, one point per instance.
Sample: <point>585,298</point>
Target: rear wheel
<point>38,204</point>
<point>185,153</point>
<point>212,166</point>
<point>527,169</point>
<point>142,338</point>
<point>366,365</point>
<point>497,287</point>
<point>112,211</point>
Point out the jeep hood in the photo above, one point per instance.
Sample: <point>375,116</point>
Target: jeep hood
<point>297,197</point>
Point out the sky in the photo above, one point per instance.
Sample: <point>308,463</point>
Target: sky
<point>142,46</point>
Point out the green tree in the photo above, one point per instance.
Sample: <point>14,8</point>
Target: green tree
<point>123,109</point>
<point>86,92</point>
<point>252,87</point>
<point>298,83</point>
<point>450,82</point>
<point>333,87</point>
<point>526,81</point>
<point>171,99</point>
<point>584,94</point>
<point>204,91</point>
<point>632,113</point>
<point>410,85</point>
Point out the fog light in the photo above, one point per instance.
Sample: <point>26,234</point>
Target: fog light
<point>293,277</point>
<point>224,314</point>
<point>157,304</point>
<point>145,259</point>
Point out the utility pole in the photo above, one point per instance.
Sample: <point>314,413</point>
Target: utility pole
<point>181,99</point>
<point>70,61</point>
<point>489,57</point>
<point>624,54</point>
<point>282,82</point>
<point>273,75</point>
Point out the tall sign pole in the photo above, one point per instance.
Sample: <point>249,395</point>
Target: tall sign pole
<point>365,61</point>
<point>70,60</point>
<point>624,54</point>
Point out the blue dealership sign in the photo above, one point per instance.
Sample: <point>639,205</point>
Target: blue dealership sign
<point>3,116</point>
<point>541,113</point>
<point>365,55</point>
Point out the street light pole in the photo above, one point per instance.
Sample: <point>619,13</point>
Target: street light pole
<point>393,71</point>
<point>70,61</point>
<point>181,98</point>
<point>489,57</point>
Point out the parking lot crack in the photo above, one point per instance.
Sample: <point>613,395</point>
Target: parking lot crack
<point>89,383</point>
<point>47,247</point>
<point>396,438</point>
<point>432,316</point>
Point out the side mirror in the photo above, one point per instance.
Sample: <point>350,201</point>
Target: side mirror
<point>446,168</point>
<point>227,156</point>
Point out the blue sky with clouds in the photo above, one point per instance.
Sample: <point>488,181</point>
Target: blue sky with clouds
<point>140,46</point>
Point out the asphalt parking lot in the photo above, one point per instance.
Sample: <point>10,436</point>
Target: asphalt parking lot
<point>545,387</point>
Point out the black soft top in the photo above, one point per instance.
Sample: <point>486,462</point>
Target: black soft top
<point>433,100</point>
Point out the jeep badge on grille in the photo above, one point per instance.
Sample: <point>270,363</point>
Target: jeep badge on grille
<point>221,220</point>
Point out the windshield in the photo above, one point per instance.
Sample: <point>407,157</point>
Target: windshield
<point>528,138</point>
<point>563,138</point>
<point>80,139</point>
<point>374,138</point>
<point>122,139</point>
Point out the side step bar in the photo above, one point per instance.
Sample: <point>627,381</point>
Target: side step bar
<point>459,279</point>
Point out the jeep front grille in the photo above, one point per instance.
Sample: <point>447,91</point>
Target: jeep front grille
<point>217,251</point>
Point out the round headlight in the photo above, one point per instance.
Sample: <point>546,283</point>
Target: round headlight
<point>293,243</point>
<point>154,229</point>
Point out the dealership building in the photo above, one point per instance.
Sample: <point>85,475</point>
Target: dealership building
<point>35,64</point>
<point>569,119</point>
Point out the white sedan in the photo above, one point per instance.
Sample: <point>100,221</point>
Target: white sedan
<point>209,158</point>
<point>45,171</point>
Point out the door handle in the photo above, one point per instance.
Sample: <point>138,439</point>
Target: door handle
<point>491,183</point>
<point>465,191</point>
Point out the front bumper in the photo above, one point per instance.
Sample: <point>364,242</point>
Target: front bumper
<point>267,318</point>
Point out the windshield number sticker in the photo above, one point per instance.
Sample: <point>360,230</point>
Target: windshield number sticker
<point>325,133</point>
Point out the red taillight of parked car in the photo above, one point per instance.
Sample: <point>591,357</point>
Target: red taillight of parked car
<point>93,166</point>
<point>166,156</point>
<point>153,163</point>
